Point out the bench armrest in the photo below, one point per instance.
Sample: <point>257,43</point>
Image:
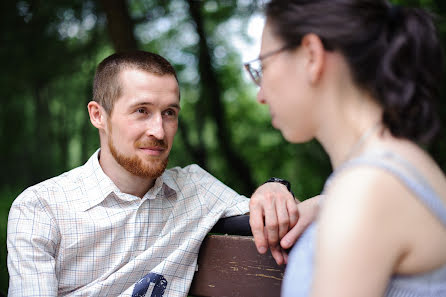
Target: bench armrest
<point>237,225</point>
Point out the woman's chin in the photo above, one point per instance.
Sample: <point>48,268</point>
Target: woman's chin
<point>293,137</point>
<point>288,136</point>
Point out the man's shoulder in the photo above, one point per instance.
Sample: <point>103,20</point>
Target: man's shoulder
<point>52,189</point>
<point>186,176</point>
<point>191,172</point>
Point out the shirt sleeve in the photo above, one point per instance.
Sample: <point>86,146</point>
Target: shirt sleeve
<point>214,193</point>
<point>32,240</point>
<point>238,205</point>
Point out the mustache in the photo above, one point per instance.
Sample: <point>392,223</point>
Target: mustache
<point>153,142</point>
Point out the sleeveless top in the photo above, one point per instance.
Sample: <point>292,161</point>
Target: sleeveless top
<point>297,281</point>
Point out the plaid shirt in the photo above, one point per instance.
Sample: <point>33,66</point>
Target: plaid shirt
<point>77,234</point>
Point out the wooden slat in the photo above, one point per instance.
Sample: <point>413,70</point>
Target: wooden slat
<point>231,266</point>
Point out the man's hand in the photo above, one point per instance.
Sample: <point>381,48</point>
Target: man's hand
<point>275,216</point>
<point>273,212</point>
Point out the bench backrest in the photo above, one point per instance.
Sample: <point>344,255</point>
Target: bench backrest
<point>230,265</point>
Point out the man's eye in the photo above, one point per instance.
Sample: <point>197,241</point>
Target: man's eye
<point>170,113</point>
<point>141,110</point>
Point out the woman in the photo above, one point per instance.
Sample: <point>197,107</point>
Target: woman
<point>361,77</point>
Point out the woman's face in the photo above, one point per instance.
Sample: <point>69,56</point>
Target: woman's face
<point>285,88</point>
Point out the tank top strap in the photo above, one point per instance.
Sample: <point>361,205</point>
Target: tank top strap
<point>405,172</point>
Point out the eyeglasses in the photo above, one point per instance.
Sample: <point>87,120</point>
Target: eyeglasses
<point>255,67</point>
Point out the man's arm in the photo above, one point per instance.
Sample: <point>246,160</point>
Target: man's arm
<point>277,219</point>
<point>32,241</point>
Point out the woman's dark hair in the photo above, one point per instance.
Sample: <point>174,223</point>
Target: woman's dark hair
<point>393,52</point>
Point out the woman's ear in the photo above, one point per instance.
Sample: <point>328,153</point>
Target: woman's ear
<point>98,116</point>
<point>315,53</point>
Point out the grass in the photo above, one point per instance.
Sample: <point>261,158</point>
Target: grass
<point>7,195</point>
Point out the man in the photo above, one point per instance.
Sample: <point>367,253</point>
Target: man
<point>122,224</point>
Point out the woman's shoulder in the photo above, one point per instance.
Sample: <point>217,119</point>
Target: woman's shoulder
<point>365,187</point>
<point>373,209</point>
<point>389,173</point>
<point>365,201</point>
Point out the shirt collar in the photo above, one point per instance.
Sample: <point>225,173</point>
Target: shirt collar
<point>99,186</point>
<point>162,187</point>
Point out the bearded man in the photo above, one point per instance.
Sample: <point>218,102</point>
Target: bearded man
<point>122,224</point>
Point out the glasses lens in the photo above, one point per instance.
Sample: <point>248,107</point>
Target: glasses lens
<point>255,71</point>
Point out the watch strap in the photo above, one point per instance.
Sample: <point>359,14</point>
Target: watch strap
<point>282,181</point>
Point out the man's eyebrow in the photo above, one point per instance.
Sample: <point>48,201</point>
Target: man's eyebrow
<point>172,105</point>
<point>175,105</point>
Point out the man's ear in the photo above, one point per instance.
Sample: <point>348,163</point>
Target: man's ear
<point>315,53</point>
<point>98,116</point>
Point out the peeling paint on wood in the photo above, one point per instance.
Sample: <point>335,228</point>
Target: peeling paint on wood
<point>231,266</point>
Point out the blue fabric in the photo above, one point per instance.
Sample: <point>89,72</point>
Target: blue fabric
<point>297,281</point>
<point>142,286</point>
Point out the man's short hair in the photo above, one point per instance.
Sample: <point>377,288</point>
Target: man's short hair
<point>107,86</point>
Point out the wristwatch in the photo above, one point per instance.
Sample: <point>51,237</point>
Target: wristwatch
<point>282,181</point>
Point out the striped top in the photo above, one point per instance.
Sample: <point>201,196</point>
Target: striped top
<point>432,284</point>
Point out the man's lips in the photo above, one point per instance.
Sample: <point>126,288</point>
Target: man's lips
<point>153,150</point>
<point>152,147</point>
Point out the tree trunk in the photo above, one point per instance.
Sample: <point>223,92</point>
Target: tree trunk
<point>119,24</point>
<point>42,135</point>
<point>211,91</point>
<point>198,153</point>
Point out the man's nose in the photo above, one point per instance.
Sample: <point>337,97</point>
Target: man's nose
<point>155,127</point>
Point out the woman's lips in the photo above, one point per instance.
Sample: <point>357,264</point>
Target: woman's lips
<point>273,120</point>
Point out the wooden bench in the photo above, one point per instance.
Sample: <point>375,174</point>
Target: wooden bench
<point>229,265</point>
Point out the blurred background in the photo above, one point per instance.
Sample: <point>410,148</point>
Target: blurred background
<point>49,51</point>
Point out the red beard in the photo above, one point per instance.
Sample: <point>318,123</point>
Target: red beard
<point>152,167</point>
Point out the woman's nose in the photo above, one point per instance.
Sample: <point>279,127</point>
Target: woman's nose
<point>260,96</point>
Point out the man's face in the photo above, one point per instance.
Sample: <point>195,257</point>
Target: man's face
<point>143,123</point>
